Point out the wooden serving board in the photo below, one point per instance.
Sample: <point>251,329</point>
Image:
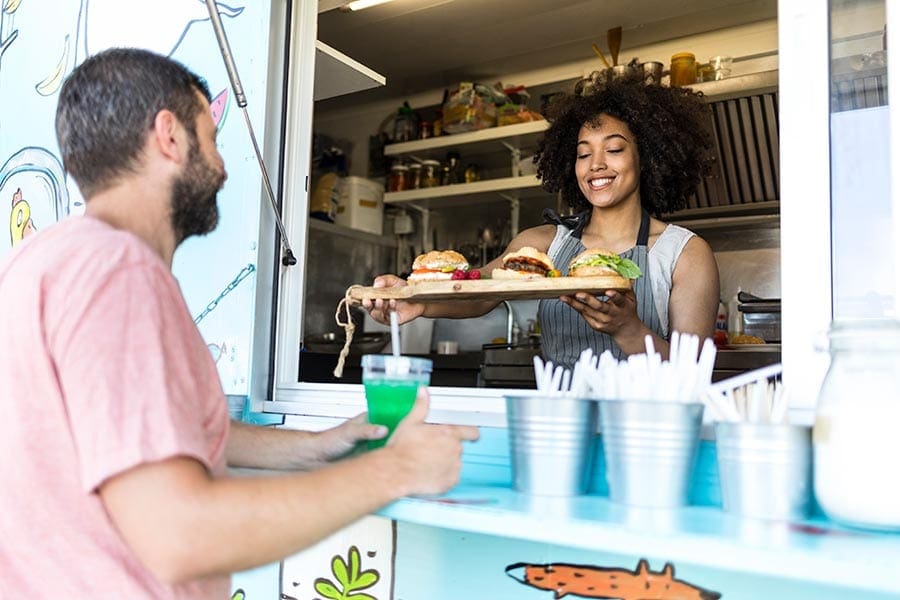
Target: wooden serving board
<point>492,289</point>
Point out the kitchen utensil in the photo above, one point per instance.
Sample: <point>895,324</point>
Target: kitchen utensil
<point>602,56</point>
<point>653,72</point>
<point>331,343</point>
<point>491,289</point>
<point>614,42</point>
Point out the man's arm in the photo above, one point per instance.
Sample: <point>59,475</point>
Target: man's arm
<point>268,448</point>
<point>183,524</point>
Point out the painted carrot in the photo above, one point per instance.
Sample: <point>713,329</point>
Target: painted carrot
<point>611,583</point>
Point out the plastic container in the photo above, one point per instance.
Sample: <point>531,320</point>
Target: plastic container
<point>855,437</point>
<point>551,439</point>
<point>361,205</point>
<point>683,70</point>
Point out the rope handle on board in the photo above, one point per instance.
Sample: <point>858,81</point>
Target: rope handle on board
<point>349,328</point>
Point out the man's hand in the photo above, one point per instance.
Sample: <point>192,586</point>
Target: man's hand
<point>430,456</point>
<point>380,309</point>
<point>340,441</point>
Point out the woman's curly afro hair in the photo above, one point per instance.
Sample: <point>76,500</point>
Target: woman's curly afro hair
<point>671,129</point>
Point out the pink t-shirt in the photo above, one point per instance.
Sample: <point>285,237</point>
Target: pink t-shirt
<point>101,369</point>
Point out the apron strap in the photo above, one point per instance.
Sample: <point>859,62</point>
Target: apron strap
<point>644,232</point>
<point>575,223</point>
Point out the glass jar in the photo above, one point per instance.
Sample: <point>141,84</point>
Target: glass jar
<point>683,70</point>
<point>431,173</point>
<point>415,176</point>
<point>855,434</point>
<point>472,173</point>
<point>398,179</point>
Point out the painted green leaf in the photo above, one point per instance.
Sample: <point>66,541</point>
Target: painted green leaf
<point>361,596</point>
<point>325,587</point>
<point>340,571</point>
<point>365,580</point>
<point>354,563</point>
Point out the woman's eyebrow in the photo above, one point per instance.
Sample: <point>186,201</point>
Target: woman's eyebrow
<point>605,139</point>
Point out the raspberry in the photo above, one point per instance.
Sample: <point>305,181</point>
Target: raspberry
<point>458,274</point>
<point>474,274</point>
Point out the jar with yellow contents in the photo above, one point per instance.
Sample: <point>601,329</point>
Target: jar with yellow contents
<point>683,70</point>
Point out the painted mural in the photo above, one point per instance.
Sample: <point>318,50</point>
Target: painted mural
<point>357,563</point>
<point>37,53</point>
<point>590,581</point>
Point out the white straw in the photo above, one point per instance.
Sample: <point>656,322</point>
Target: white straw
<point>745,378</point>
<point>395,334</point>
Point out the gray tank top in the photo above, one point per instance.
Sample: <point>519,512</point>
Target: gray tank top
<point>565,334</point>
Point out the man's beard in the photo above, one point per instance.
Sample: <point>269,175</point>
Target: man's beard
<point>194,209</point>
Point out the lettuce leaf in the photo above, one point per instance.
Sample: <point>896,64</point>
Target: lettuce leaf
<point>622,266</point>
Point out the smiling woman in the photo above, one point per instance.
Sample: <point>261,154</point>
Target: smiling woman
<point>625,152</point>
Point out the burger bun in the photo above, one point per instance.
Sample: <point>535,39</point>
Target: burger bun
<point>592,270</point>
<point>517,275</point>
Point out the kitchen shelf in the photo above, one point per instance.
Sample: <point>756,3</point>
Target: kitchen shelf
<point>338,74</point>
<point>489,190</point>
<point>355,234</point>
<point>751,84</point>
<point>492,139</point>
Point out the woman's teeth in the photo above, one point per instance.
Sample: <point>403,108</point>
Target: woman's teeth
<point>600,182</point>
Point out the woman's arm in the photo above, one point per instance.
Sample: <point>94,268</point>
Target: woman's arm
<point>695,291</point>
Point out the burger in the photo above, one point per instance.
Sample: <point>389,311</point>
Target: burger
<point>597,262</point>
<point>525,263</point>
<point>437,265</point>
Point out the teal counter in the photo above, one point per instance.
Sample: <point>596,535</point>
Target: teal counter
<point>485,541</point>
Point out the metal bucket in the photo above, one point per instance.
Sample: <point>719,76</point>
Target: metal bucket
<point>551,440</point>
<point>650,449</point>
<point>765,470</point>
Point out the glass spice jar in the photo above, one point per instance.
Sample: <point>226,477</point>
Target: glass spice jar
<point>431,173</point>
<point>683,70</point>
<point>398,179</point>
<point>415,176</point>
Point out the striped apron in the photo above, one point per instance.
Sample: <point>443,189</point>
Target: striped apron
<point>564,333</point>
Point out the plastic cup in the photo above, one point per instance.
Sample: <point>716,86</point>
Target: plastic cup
<point>391,383</point>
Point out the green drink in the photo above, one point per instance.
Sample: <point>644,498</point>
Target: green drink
<point>391,383</point>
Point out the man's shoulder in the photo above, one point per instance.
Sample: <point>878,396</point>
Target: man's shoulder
<point>86,243</point>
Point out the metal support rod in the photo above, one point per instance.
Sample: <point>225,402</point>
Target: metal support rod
<point>515,155</point>
<point>514,205</point>
<point>426,223</point>
<point>287,258</point>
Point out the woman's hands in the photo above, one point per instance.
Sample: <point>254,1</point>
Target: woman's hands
<point>616,316</point>
<point>380,309</point>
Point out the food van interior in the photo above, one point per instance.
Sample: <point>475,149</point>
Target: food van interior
<point>437,44</point>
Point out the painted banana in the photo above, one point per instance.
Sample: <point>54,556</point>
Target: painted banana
<point>10,6</point>
<point>20,224</point>
<point>52,82</point>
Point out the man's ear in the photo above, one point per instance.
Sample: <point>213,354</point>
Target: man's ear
<point>168,135</point>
